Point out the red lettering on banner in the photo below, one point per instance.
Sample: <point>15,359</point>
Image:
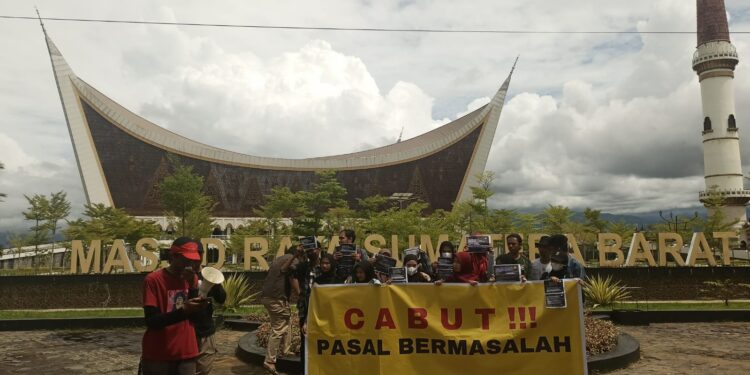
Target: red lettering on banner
<point>447,324</point>
<point>417,318</point>
<point>485,313</point>
<point>385,319</point>
<point>348,319</point>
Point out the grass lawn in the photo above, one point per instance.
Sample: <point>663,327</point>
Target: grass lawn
<point>658,306</point>
<point>99,313</point>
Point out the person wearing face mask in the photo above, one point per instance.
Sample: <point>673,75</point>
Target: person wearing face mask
<point>541,268</point>
<point>413,272</point>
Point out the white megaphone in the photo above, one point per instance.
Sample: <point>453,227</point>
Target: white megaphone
<point>211,277</point>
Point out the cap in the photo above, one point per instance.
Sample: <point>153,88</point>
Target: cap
<point>559,241</point>
<point>188,250</point>
<point>544,241</point>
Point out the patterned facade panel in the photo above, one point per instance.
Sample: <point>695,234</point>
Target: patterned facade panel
<point>133,169</point>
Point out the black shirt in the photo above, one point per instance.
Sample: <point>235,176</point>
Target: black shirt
<point>203,321</point>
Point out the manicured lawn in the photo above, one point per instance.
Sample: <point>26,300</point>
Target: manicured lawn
<point>657,306</point>
<point>49,314</point>
<point>99,313</point>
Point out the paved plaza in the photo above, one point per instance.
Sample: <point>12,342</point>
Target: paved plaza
<point>701,348</point>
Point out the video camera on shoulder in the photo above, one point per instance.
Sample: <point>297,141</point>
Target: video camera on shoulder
<point>383,264</point>
<point>479,244</point>
<point>309,243</point>
<point>348,258</point>
<point>416,251</point>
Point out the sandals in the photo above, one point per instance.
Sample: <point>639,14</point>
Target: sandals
<point>271,368</point>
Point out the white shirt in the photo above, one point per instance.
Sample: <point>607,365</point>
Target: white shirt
<point>539,269</point>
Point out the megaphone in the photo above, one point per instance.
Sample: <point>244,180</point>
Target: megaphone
<point>211,277</point>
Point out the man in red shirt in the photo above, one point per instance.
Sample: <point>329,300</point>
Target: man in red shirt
<point>170,296</point>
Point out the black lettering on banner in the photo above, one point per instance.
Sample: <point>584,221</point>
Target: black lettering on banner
<point>476,348</point>
<point>493,347</point>
<point>382,351</point>
<point>323,345</point>
<point>405,346</point>
<point>510,346</point>
<point>524,348</point>
<point>438,346</point>
<point>565,343</point>
<point>369,348</point>
<point>457,347</point>
<point>423,346</point>
<point>543,345</point>
<point>353,347</point>
<point>338,348</point>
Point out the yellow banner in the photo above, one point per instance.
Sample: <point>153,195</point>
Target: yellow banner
<point>447,329</point>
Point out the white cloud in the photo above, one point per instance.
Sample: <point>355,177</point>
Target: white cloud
<point>608,121</point>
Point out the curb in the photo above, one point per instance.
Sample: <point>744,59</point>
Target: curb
<point>249,351</point>
<point>627,351</point>
<point>70,323</point>
<point>637,317</point>
<point>241,325</point>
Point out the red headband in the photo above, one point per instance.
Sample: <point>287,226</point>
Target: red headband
<point>188,250</point>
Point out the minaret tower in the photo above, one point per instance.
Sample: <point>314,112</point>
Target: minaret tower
<point>714,61</point>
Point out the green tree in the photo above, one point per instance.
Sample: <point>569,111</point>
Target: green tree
<point>59,209</point>
<point>624,230</point>
<point>555,218</point>
<point>281,203</point>
<point>480,198</point>
<point>37,213</point>
<point>716,220</point>
<point>187,207</point>
<point>371,205</point>
<point>327,193</point>
<point>107,223</point>
<point>402,222</point>
<point>17,242</point>
<point>501,221</point>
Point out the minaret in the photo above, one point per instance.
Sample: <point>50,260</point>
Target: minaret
<point>714,61</point>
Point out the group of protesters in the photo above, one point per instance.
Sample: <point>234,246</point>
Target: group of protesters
<point>295,274</point>
<point>180,327</point>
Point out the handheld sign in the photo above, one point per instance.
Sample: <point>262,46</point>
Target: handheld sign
<point>507,272</point>
<point>479,244</point>
<point>398,275</point>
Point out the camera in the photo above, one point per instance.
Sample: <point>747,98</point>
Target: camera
<point>346,263</point>
<point>383,264</point>
<point>479,244</point>
<point>445,265</point>
<point>309,243</point>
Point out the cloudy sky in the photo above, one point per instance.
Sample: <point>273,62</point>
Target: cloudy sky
<point>598,120</point>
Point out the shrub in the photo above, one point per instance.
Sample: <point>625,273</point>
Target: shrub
<point>601,336</point>
<point>239,292</point>
<point>264,331</point>
<point>604,292</point>
<point>724,289</point>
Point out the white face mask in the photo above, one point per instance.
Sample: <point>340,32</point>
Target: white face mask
<point>557,266</point>
<point>411,271</point>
